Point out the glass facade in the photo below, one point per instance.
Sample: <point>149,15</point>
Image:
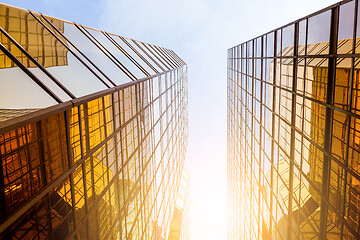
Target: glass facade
<point>93,131</point>
<point>294,130</point>
<point>180,223</point>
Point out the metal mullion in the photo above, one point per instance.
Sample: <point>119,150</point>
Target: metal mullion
<point>124,156</point>
<point>172,58</point>
<point>29,74</point>
<point>70,161</point>
<point>121,210</point>
<point>169,56</point>
<point>138,53</point>
<point>117,184</point>
<point>73,53</point>
<point>126,54</point>
<point>164,55</point>
<point>153,147</point>
<point>43,174</point>
<point>83,169</point>
<point>147,54</point>
<point>155,54</point>
<point>328,123</point>
<point>36,63</point>
<point>261,173</point>
<point>177,57</point>
<point>107,154</point>
<point>3,209</point>
<point>350,101</point>
<point>299,168</point>
<point>91,158</point>
<point>108,54</point>
<point>292,134</point>
<point>272,136</point>
<point>140,149</point>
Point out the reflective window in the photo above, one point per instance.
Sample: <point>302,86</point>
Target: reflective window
<point>92,52</point>
<point>133,54</point>
<point>346,28</point>
<point>49,51</point>
<point>130,66</point>
<point>17,91</point>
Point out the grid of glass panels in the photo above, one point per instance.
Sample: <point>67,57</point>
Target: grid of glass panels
<point>104,166</point>
<point>293,130</point>
<point>180,223</point>
<point>64,60</point>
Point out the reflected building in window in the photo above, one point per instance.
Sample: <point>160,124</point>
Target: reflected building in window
<point>93,131</point>
<point>293,130</point>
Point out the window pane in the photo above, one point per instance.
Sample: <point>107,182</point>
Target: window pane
<point>48,51</point>
<point>108,67</point>
<point>319,32</point>
<point>19,94</point>
<point>116,53</point>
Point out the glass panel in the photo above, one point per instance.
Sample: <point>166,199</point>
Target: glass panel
<point>356,88</point>
<point>258,47</point>
<point>174,61</point>
<point>339,130</point>
<point>33,68</point>
<point>343,73</point>
<point>352,203</point>
<point>156,56</point>
<point>302,37</point>
<point>357,44</point>
<point>19,94</point>
<point>288,41</point>
<point>316,78</point>
<point>270,44</point>
<point>319,34</point>
<point>108,67</point>
<point>48,51</point>
<point>167,60</point>
<point>116,53</point>
<point>354,146</point>
<point>249,46</point>
<point>346,28</point>
<point>138,47</point>
<point>132,54</point>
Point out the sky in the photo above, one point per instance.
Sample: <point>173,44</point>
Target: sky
<point>200,32</point>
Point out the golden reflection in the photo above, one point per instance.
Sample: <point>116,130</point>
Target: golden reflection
<point>30,34</point>
<point>276,190</point>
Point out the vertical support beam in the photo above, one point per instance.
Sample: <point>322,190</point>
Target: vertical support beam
<point>70,163</point>
<point>349,122</point>
<point>3,210</point>
<point>272,137</point>
<point>82,146</point>
<point>292,144</point>
<point>43,176</point>
<point>329,122</point>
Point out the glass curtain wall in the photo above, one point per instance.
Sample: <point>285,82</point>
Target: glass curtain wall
<point>93,131</point>
<point>294,130</point>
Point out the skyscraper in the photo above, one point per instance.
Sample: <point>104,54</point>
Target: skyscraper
<point>93,131</point>
<point>293,130</point>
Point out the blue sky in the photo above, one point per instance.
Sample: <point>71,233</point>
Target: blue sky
<point>199,31</point>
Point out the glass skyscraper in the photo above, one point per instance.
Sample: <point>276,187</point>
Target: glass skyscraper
<point>294,130</point>
<point>93,131</point>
